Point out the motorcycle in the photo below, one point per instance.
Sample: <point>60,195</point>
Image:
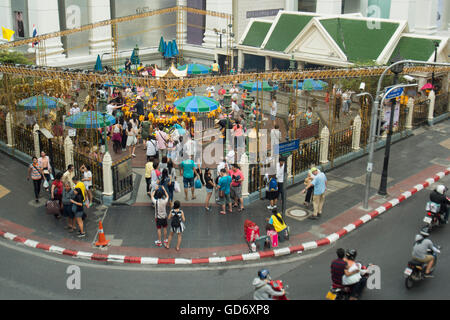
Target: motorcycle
<point>277,285</point>
<point>415,271</point>
<point>433,217</point>
<point>341,292</point>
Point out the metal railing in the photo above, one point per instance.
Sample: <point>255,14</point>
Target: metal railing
<point>307,155</point>
<point>441,104</point>
<point>96,168</point>
<point>23,140</point>
<point>122,177</point>
<point>340,143</point>
<point>420,113</point>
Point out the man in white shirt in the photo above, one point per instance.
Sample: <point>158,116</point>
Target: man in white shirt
<point>273,111</point>
<point>111,107</point>
<point>280,176</point>
<point>152,149</point>
<point>275,138</point>
<point>211,90</point>
<point>235,109</point>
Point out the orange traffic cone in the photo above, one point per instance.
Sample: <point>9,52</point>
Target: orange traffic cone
<point>101,236</point>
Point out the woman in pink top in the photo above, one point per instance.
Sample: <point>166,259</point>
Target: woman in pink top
<point>236,186</point>
<point>162,139</point>
<point>238,133</point>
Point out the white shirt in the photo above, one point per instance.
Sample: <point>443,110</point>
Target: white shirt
<point>273,110</point>
<point>234,106</point>
<point>109,109</point>
<point>152,147</point>
<point>280,173</point>
<point>74,110</point>
<point>87,174</point>
<point>275,136</point>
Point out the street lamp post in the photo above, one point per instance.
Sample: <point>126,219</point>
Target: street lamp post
<point>436,45</point>
<point>397,69</point>
<point>374,114</point>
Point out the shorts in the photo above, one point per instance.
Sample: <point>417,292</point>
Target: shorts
<point>78,214</point>
<point>188,182</point>
<point>271,195</point>
<point>236,192</point>
<point>67,211</point>
<point>272,117</point>
<point>161,223</point>
<point>224,200</point>
<point>209,190</point>
<point>427,259</point>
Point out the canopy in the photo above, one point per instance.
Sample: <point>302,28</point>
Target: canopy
<point>172,72</point>
<point>195,68</point>
<point>310,84</point>
<point>196,104</point>
<point>38,102</point>
<point>251,86</point>
<point>90,120</point>
<point>428,86</point>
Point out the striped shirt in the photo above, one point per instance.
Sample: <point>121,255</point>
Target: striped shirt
<point>35,172</point>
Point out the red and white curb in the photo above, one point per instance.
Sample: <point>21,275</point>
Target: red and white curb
<point>242,257</point>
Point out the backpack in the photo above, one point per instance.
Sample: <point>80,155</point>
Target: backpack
<point>176,220</point>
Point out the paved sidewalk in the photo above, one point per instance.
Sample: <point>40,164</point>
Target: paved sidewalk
<point>132,231</point>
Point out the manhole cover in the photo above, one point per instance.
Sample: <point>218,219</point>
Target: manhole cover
<point>298,213</point>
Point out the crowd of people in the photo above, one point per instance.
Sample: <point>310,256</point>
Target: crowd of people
<point>68,194</point>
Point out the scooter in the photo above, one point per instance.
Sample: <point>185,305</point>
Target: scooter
<point>277,285</point>
<point>415,271</point>
<point>341,292</point>
<point>433,217</point>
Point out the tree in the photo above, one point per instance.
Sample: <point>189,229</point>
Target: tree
<point>13,57</point>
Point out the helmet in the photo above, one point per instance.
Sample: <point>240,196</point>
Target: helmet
<point>425,232</point>
<point>263,274</point>
<point>351,254</point>
<point>441,189</point>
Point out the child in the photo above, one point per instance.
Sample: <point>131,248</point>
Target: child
<point>177,224</point>
<point>272,192</point>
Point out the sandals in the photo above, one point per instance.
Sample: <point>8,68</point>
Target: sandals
<point>223,212</point>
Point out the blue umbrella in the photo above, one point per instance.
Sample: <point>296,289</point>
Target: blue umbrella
<point>168,53</point>
<point>90,120</point>
<point>98,64</point>
<point>135,58</point>
<point>161,45</point>
<point>310,84</point>
<point>38,102</point>
<point>196,104</point>
<point>175,48</point>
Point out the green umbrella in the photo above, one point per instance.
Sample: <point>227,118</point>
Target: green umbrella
<point>38,103</point>
<point>251,86</point>
<point>196,104</point>
<point>89,120</point>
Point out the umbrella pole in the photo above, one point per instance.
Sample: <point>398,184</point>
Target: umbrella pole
<point>258,160</point>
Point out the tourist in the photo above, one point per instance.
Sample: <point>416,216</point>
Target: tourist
<point>131,138</point>
<point>235,110</point>
<point>215,68</point>
<point>308,116</point>
<point>139,106</point>
<point>280,175</point>
<point>124,125</point>
<point>275,139</point>
<point>44,163</point>
<point>273,111</point>
<point>128,65</point>
<point>67,212</point>
<point>56,191</point>
<point>87,181</point>
<point>145,131</point>
<point>117,137</point>
<point>148,173</point>
<point>159,198</point>
<point>272,192</point>
<point>162,139</point>
<point>74,109</point>
<point>238,133</point>
<point>177,224</point>
<point>188,173</point>
<point>68,176</point>
<point>77,208</point>
<point>79,185</point>
<point>172,178</point>
<point>236,186</point>
<point>37,175</point>
<point>210,185</point>
<point>310,190</point>
<point>223,187</point>
<point>234,92</point>
<point>320,186</point>
<point>152,149</point>
<point>221,94</point>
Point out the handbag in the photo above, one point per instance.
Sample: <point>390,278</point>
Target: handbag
<point>46,185</point>
<point>198,184</point>
<point>177,187</point>
<point>53,207</point>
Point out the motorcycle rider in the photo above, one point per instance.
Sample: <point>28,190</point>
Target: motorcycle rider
<point>337,269</point>
<point>420,251</point>
<point>438,196</point>
<point>352,275</point>
<point>263,291</point>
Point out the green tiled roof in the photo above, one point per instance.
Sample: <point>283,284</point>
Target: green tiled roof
<point>286,30</point>
<point>256,33</point>
<point>414,48</point>
<point>356,40</point>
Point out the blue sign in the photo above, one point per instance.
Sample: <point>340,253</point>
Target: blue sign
<point>288,146</point>
<point>394,93</point>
